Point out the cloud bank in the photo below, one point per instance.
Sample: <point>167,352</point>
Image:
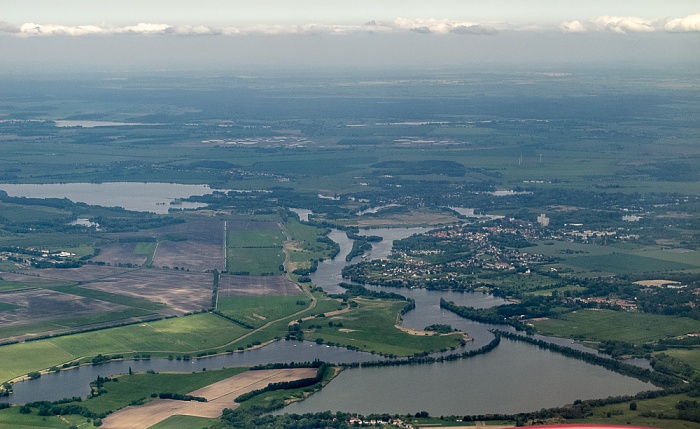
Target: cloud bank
<point>610,24</point>
<point>632,24</point>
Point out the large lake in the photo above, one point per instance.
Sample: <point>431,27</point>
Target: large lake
<point>138,196</point>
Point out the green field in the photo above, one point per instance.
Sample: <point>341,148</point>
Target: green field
<point>7,286</point>
<point>620,258</point>
<point>185,422</point>
<point>256,237</point>
<point>256,261</point>
<point>371,327</point>
<point>140,386</point>
<point>10,418</point>
<point>255,248</point>
<point>601,325</point>
<point>689,356</point>
<point>187,334</point>
<point>5,306</point>
<point>18,213</point>
<point>307,247</point>
<point>620,414</point>
<point>625,263</point>
<point>279,329</point>
<point>146,249</point>
<point>256,311</point>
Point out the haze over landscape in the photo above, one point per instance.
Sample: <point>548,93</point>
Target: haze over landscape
<point>307,213</point>
<point>79,35</point>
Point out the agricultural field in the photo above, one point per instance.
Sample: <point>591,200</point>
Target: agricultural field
<point>86,273</point>
<point>136,386</point>
<point>195,245</point>
<point>185,422</point>
<point>123,254</point>
<point>182,292</point>
<point>255,261</point>
<point>262,286</point>
<point>219,395</point>
<point>105,294</point>
<point>6,285</point>
<point>254,248</point>
<point>188,335</point>
<point>56,311</point>
<point>598,325</point>
<point>624,263</point>
<point>256,311</point>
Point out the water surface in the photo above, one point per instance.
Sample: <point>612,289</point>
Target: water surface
<point>139,196</point>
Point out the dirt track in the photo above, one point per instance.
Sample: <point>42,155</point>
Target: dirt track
<point>219,395</point>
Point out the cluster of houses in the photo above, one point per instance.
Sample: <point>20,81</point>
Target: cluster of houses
<point>393,422</point>
<point>483,254</point>
<point>30,255</point>
<point>624,304</point>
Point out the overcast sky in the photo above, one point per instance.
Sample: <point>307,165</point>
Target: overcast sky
<point>177,34</point>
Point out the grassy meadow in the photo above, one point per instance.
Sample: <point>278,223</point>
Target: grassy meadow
<point>256,311</point>
<point>185,422</point>
<point>132,387</point>
<point>188,334</point>
<point>371,327</point>
<point>256,261</point>
<point>600,325</point>
<point>255,248</point>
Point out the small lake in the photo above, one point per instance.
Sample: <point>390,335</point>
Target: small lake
<point>302,213</point>
<point>138,196</point>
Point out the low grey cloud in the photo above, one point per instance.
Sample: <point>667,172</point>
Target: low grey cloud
<point>6,27</point>
<point>424,30</point>
<point>476,29</point>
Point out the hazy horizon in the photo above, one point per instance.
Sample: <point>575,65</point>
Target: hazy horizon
<point>74,35</point>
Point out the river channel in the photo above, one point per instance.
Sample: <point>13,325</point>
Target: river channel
<point>512,378</point>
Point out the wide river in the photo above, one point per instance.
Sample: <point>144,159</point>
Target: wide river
<point>512,378</point>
